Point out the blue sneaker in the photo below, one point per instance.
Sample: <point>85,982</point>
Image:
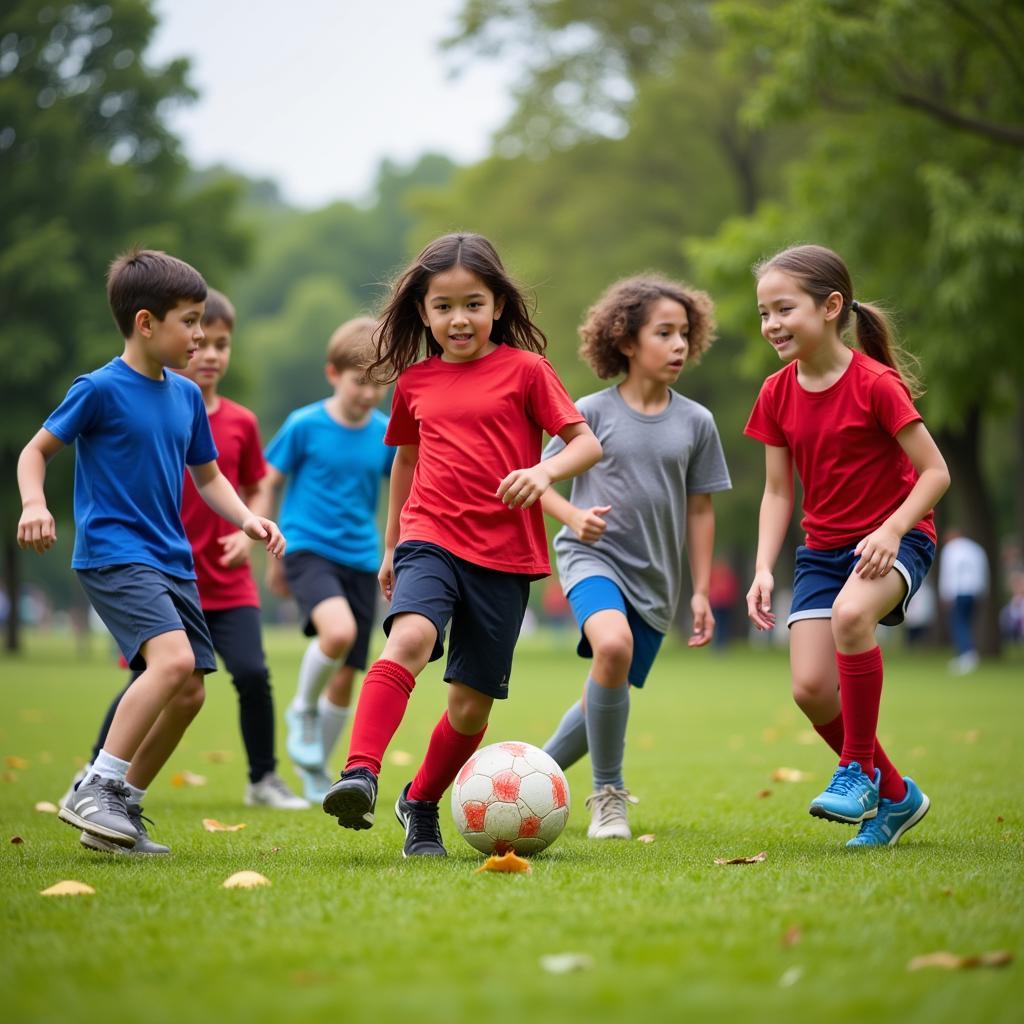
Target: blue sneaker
<point>850,797</point>
<point>315,784</point>
<point>303,745</point>
<point>893,819</point>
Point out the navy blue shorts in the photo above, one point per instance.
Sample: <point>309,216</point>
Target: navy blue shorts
<point>137,602</point>
<point>820,575</point>
<point>599,594</point>
<point>485,607</point>
<point>313,578</point>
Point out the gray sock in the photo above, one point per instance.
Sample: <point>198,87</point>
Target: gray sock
<point>607,716</point>
<point>569,743</point>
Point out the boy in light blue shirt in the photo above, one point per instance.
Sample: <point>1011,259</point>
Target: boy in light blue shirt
<point>333,455</point>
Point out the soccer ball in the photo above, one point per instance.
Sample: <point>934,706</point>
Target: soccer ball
<point>510,796</point>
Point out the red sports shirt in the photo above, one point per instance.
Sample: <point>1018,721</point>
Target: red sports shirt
<point>843,440</point>
<point>474,423</point>
<point>236,434</point>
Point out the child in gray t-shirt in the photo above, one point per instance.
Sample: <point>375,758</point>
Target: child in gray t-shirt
<point>620,549</point>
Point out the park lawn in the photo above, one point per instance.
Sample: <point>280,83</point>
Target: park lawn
<point>349,931</point>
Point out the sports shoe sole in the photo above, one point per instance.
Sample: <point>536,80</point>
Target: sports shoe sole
<point>817,811</point>
<point>350,807</point>
<point>98,845</point>
<point>100,831</point>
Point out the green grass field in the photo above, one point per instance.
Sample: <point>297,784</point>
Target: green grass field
<point>349,931</point>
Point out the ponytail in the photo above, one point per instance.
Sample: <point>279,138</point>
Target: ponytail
<point>877,339</point>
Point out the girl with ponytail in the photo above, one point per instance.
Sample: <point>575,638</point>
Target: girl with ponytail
<point>871,473</point>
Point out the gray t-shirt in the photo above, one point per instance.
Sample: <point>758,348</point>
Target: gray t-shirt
<point>649,466</point>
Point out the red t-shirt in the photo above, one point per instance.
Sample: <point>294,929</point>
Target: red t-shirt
<point>236,434</point>
<point>474,423</point>
<point>843,440</point>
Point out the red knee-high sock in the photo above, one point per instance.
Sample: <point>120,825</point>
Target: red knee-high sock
<point>447,752</point>
<point>382,702</point>
<point>892,786</point>
<point>860,692</point>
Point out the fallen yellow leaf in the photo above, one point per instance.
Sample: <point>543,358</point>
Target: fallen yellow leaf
<point>245,880</point>
<point>46,807</point>
<point>69,888</point>
<point>955,962</point>
<point>186,778</point>
<point>763,794</point>
<point>213,825</point>
<point>217,756</point>
<point>649,838</point>
<point>756,859</point>
<point>789,775</point>
<point>791,936</point>
<point>9,777</point>
<point>13,761</point>
<point>399,758</point>
<point>508,862</point>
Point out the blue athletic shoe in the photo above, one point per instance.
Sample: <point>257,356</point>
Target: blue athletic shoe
<point>850,797</point>
<point>893,819</point>
<point>315,784</point>
<point>304,745</point>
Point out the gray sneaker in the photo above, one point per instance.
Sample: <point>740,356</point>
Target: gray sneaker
<point>142,845</point>
<point>100,807</point>
<point>608,813</point>
<point>273,791</point>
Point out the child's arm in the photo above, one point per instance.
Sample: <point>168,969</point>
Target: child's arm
<point>586,523</point>
<point>878,550</point>
<point>235,547</point>
<point>700,546</point>
<point>772,523</point>
<point>522,487</point>
<point>264,503</point>
<point>36,528</point>
<point>218,493</point>
<point>398,493</point>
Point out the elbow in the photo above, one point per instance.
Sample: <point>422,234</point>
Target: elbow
<point>595,451</point>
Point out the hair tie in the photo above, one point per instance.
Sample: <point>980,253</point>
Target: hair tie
<point>855,306</point>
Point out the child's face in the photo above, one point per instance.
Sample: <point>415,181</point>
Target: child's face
<point>791,321</point>
<point>460,310</point>
<point>208,366</point>
<point>662,343</point>
<point>173,341</point>
<point>356,396</point>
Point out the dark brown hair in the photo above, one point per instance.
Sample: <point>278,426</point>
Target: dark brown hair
<point>402,332</point>
<point>353,346</point>
<point>149,279</point>
<point>820,272</point>
<point>626,306</point>
<point>218,307</point>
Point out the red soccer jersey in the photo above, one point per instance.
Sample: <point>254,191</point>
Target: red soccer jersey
<point>474,423</point>
<point>843,441</point>
<point>236,434</point>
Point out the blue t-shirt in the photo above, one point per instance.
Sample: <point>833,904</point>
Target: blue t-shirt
<point>330,505</point>
<point>133,438</point>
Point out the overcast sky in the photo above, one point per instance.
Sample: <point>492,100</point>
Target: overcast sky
<point>315,93</point>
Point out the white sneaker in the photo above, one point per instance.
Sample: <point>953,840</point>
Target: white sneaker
<point>608,813</point>
<point>965,664</point>
<point>273,791</point>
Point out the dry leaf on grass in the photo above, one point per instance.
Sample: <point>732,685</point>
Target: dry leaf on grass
<point>791,936</point>
<point>9,777</point>
<point>791,976</point>
<point>648,838</point>
<point>999,818</point>
<point>789,775</point>
<point>46,807</point>
<point>763,794</point>
<point>245,880</point>
<point>399,758</point>
<point>213,825</point>
<point>564,963</point>
<point>69,888</point>
<point>756,859</point>
<point>509,862</point>
<point>955,962</point>
<point>185,778</point>
<point>13,761</point>
<point>17,840</point>
<point>217,756</point>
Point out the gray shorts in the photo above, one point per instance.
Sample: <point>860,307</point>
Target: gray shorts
<point>137,602</point>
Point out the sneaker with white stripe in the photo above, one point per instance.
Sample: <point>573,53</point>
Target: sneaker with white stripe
<point>100,807</point>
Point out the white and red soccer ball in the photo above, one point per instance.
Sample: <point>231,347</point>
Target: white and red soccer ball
<point>510,796</point>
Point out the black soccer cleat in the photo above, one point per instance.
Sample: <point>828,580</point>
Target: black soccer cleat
<point>352,798</point>
<point>422,829</point>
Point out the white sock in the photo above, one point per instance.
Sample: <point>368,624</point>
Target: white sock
<point>315,670</point>
<point>135,794</point>
<point>332,724</point>
<point>106,766</point>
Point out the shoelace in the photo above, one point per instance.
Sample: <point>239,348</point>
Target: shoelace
<point>844,782</point>
<point>136,817</point>
<point>609,803</point>
<point>113,795</point>
<point>424,824</point>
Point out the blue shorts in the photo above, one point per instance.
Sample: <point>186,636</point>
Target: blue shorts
<point>600,594</point>
<point>137,602</point>
<point>820,575</point>
<point>485,607</point>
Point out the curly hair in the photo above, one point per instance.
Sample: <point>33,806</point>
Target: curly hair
<point>626,306</point>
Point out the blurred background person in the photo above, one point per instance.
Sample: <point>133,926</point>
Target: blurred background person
<point>963,581</point>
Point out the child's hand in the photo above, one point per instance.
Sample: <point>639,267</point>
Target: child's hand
<point>266,530</point>
<point>36,528</point>
<point>386,575</point>
<point>587,523</point>
<point>275,578</point>
<point>703,621</point>
<point>236,549</point>
<point>877,552</point>
<point>522,487</point>
<point>759,600</point>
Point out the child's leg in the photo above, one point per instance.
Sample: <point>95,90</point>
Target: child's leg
<point>606,695</point>
<point>335,627</point>
<point>101,736</point>
<point>165,734</point>
<point>569,741</point>
<point>334,706</point>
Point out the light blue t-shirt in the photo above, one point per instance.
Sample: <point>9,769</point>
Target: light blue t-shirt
<point>133,437</point>
<point>334,471</point>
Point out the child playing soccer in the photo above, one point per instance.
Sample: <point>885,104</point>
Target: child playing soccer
<point>871,475</point>
<point>136,427</point>
<point>620,551</point>
<point>464,533</point>
<point>227,591</point>
<point>334,457</point>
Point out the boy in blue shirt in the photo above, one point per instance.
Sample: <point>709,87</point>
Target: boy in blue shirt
<point>135,428</point>
<point>334,453</point>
